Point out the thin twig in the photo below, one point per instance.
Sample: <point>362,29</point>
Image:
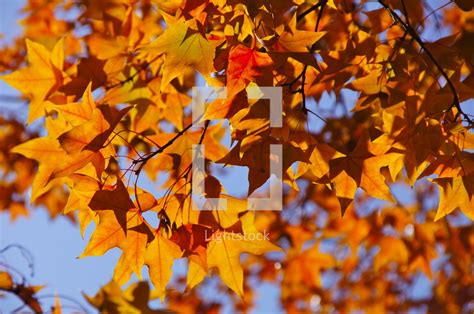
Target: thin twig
<point>321,5</point>
<point>308,11</point>
<point>417,38</point>
<point>131,77</point>
<point>142,161</point>
<point>25,253</point>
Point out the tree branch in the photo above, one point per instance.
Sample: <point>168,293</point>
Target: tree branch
<point>407,27</point>
<point>308,11</point>
<point>131,77</point>
<point>321,5</point>
<point>145,159</point>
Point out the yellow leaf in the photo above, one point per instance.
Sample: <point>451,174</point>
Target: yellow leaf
<point>120,225</point>
<point>183,47</point>
<point>93,133</point>
<point>296,40</point>
<point>134,300</point>
<point>305,268</point>
<point>108,234</point>
<point>78,113</point>
<point>43,149</point>
<point>391,250</point>
<point>454,194</point>
<point>223,253</point>
<point>160,255</point>
<point>40,78</point>
<point>362,168</point>
<point>196,274</point>
<point>372,84</point>
<point>346,188</point>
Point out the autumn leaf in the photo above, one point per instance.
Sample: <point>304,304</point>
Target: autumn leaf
<point>44,73</point>
<point>183,46</point>
<point>193,240</point>
<point>245,65</point>
<point>120,225</point>
<point>295,43</point>
<point>196,274</point>
<point>160,255</point>
<point>361,168</point>
<point>134,299</point>
<point>455,193</point>
<point>225,247</point>
<point>296,40</point>
<point>26,293</point>
<point>224,251</point>
<point>306,268</point>
<point>374,105</point>
<point>391,249</point>
<point>44,150</point>
<point>93,133</point>
<point>79,113</point>
<point>47,152</point>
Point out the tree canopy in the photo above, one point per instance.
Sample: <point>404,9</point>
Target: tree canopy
<point>376,135</point>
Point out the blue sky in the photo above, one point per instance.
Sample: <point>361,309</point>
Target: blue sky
<point>56,244</point>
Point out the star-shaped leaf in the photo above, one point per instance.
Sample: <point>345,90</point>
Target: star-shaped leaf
<point>40,78</point>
